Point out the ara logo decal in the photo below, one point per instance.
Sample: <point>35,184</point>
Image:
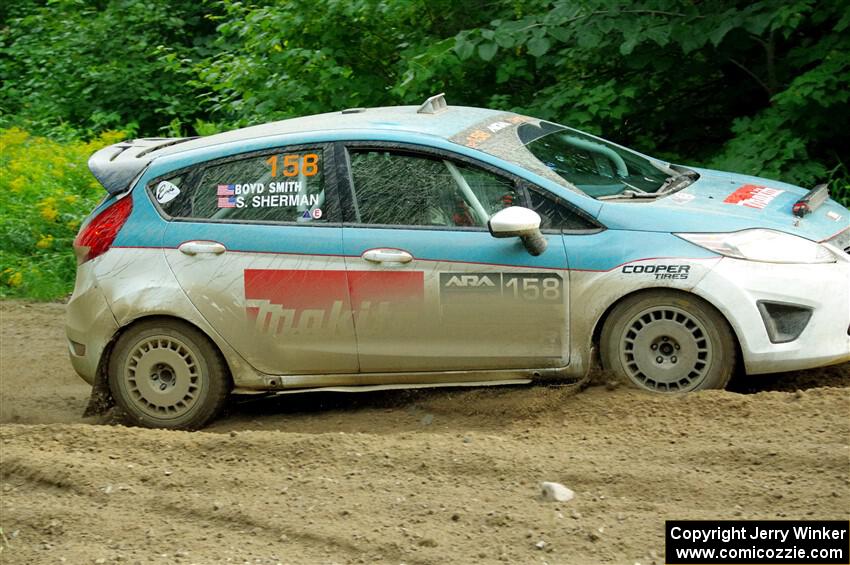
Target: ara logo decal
<point>461,288</point>
<point>496,126</point>
<point>753,196</point>
<point>463,281</point>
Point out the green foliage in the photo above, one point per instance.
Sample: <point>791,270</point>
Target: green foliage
<point>74,67</point>
<point>299,57</point>
<point>756,87</point>
<point>45,192</point>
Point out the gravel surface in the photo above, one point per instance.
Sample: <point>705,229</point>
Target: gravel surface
<point>404,477</point>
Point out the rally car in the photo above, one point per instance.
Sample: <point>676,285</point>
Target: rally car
<point>434,246</point>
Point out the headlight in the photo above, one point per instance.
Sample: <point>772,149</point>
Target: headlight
<point>762,245</point>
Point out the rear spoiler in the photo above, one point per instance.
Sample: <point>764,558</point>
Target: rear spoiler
<point>116,166</point>
<point>811,201</point>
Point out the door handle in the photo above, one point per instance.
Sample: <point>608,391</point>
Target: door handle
<point>195,247</point>
<point>387,256</point>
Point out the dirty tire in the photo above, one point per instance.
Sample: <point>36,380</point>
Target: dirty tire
<point>666,342</point>
<point>166,374</point>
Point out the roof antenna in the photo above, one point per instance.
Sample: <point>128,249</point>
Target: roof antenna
<point>433,105</point>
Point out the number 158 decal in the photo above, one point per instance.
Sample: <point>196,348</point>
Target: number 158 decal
<point>532,287</point>
<point>528,287</point>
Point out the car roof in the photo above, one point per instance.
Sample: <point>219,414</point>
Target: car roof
<point>445,124</point>
<point>115,166</point>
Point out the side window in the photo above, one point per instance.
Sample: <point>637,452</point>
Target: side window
<point>288,186</point>
<point>555,214</point>
<point>396,188</point>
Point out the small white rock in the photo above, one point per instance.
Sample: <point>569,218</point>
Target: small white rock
<point>540,545</point>
<point>556,492</point>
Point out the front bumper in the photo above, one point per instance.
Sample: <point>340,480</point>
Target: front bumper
<point>89,324</point>
<point>735,287</point>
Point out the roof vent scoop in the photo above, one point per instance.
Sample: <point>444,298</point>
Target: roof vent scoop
<point>433,105</point>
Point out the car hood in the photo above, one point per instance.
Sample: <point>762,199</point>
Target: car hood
<point>721,202</point>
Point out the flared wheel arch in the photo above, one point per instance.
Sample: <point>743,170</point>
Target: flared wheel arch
<point>101,397</point>
<point>596,336</point>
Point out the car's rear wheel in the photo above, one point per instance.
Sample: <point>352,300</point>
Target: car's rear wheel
<point>167,374</point>
<point>668,342</point>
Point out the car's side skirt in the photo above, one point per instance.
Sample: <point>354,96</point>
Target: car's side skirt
<point>374,388</point>
<point>283,382</point>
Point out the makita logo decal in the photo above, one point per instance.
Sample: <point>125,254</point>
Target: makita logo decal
<point>306,302</point>
<point>753,196</point>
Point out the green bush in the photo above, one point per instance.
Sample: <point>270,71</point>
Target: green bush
<point>46,190</point>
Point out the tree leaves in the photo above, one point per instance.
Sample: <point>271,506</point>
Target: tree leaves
<point>487,51</point>
<point>539,44</point>
<point>758,85</point>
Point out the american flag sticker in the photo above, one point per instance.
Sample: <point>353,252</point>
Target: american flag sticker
<point>227,202</point>
<point>225,190</point>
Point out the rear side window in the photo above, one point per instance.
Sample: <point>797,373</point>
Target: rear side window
<point>287,186</point>
<point>396,188</point>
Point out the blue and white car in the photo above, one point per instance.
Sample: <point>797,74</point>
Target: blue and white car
<point>434,246</point>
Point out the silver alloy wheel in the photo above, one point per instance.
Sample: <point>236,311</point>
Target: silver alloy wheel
<point>162,377</point>
<point>666,349</point>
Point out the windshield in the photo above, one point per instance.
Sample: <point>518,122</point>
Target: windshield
<point>569,157</point>
<point>596,167</point>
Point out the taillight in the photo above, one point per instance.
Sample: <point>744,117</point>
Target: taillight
<point>97,236</point>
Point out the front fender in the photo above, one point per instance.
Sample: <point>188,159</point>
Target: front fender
<point>594,293</point>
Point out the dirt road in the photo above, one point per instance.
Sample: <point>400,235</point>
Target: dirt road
<point>418,477</point>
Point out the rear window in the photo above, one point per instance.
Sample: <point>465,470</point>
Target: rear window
<point>285,186</point>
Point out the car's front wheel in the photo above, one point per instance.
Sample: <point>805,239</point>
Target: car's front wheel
<point>167,374</point>
<point>668,342</point>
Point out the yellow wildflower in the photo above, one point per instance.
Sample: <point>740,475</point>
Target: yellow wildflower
<point>16,279</point>
<point>45,242</point>
<point>71,198</point>
<point>12,137</point>
<point>49,213</point>
<point>18,184</point>
<point>110,137</point>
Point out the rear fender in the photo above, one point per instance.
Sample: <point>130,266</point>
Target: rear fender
<point>138,283</point>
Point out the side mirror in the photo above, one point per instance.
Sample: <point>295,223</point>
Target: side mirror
<point>520,222</point>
